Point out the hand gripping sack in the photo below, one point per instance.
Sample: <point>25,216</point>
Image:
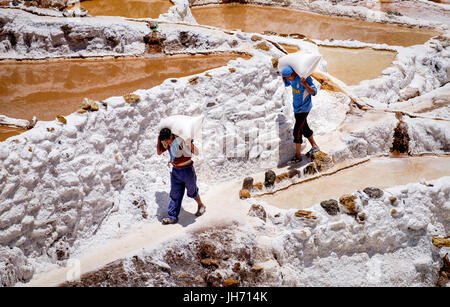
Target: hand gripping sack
<point>302,63</point>
<point>184,126</point>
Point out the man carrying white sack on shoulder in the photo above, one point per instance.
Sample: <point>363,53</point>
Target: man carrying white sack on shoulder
<point>182,175</point>
<point>302,90</point>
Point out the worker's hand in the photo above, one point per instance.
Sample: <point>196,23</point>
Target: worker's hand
<point>303,81</point>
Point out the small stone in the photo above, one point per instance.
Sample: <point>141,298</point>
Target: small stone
<point>231,69</point>
<point>244,194</point>
<point>210,104</point>
<point>362,216</point>
<point>263,46</point>
<point>348,201</point>
<point>392,199</point>
<point>393,211</point>
<point>208,75</point>
<point>309,169</point>
<point>61,119</point>
<point>305,214</point>
<point>89,105</point>
<point>322,160</point>
<point>30,149</point>
<point>256,38</point>
<point>247,184</point>
<point>373,192</point>
<point>441,242</point>
<point>258,185</point>
<point>182,275</point>
<point>258,211</point>
<point>81,111</point>
<point>193,80</point>
<point>230,282</point>
<point>210,262</point>
<point>237,267</point>
<point>256,268</point>
<point>293,172</point>
<point>131,98</point>
<point>281,177</point>
<point>330,206</point>
<point>274,62</point>
<point>269,178</point>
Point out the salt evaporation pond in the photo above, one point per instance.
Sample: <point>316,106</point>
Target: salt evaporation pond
<point>353,65</point>
<point>378,172</point>
<point>47,88</point>
<point>251,18</point>
<point>128,8</point>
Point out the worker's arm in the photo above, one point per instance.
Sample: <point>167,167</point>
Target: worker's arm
<point>160,147</point>
<point>309,85</point>
<point>194,150</point>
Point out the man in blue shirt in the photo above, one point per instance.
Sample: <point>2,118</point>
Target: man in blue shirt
<point>302,90</point>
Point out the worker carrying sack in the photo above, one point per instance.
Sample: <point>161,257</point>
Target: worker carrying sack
<point>302,63</point>
<point>184,126</point>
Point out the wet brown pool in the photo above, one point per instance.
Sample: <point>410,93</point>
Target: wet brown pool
<point>251,18</point>
<point>127,8</point>
<point>381,173</point>
<point>352,65</point>
<point>47,88</point>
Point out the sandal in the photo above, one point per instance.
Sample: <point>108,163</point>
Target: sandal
<point>169,220</point>
<point>294,160</point>
<point>312,151</point>
<point>200,211</point>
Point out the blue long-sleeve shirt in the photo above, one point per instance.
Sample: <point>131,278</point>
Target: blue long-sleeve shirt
<point>301,97</point>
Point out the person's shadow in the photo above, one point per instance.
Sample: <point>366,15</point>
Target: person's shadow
<point>163,199</point>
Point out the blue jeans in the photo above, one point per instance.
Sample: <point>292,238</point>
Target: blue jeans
<point>181,179</point>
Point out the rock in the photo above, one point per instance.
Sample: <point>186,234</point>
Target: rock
<point>230,282</point>
<point>348,201</point>
<point>193,80</point>
<point>210,263</point>
<point>237,267</point>
<point>131,98</point>
<point>373,192</point>
<point>269,178</point>
<point>330,206</point>
<point>182,275</point>
<point>256,38</point>
<point>244,194</point>
<point>258,185</point>
<point>322,160</point>
<point>281,177</point>
<point>247,184</point>
<point>309,169</point>
<point>256,268</point>
<point>401,138</point>
<point>362,217</point>
<point>293,172</point>
<point>305,214</point>
<point>392,199</point>
<point>61,119</point>
<point>258,211</point>
<point>231,69</point>
<point>441,242</point>
<point>89,105</point>
<point>275,62</point>
<point>263,46</point>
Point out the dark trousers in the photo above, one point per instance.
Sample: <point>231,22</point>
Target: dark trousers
<point>181,179</point>
<point>301,127</point>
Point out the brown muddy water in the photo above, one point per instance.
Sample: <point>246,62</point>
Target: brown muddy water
<point>353,65</point>
<point>251,18</point>
<point>127,8</point>
<point>47,88</point>
<point>378,172</point>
